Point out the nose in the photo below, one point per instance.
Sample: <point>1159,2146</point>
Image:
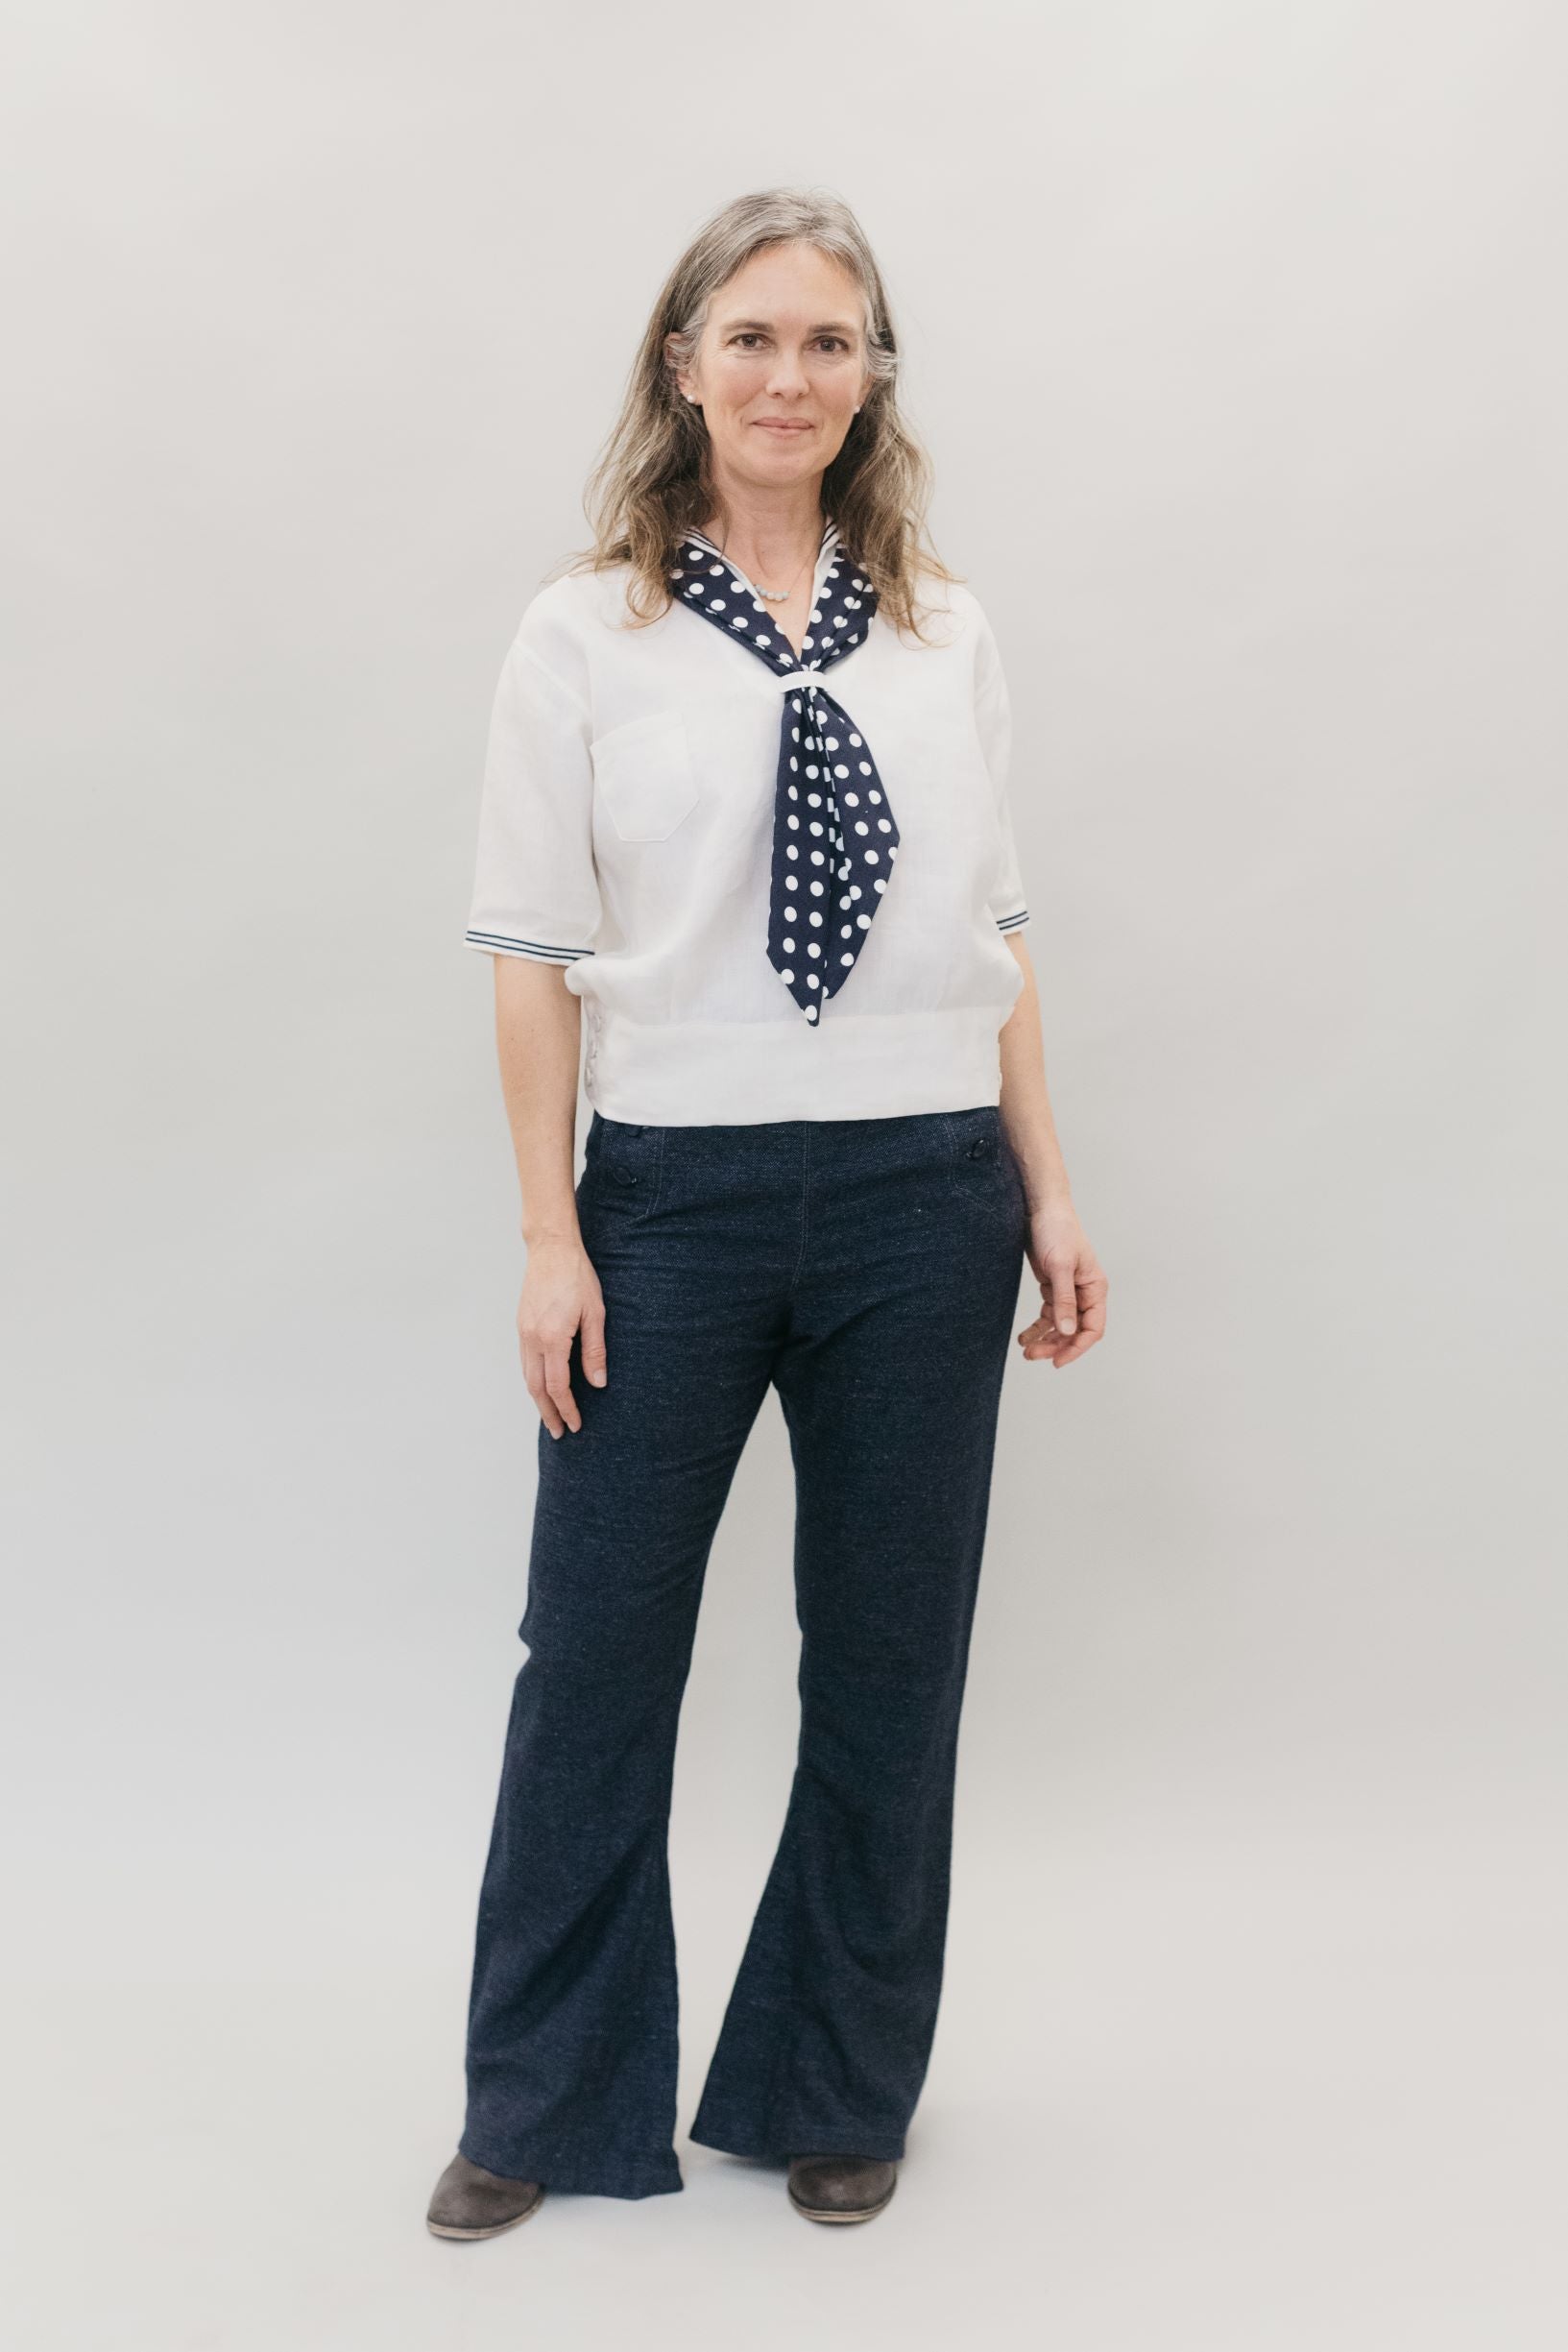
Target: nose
<point>787,374</point>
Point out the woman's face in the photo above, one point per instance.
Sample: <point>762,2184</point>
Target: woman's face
<point>781,368</point>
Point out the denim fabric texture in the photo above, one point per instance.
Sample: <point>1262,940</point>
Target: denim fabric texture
<point>869,1270</point>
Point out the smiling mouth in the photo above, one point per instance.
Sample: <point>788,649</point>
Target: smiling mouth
<point>783,425</point>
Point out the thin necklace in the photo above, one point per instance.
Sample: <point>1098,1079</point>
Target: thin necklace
<point>782,595</point>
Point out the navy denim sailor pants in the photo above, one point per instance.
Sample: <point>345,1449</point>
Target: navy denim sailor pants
<point>868,1270</point>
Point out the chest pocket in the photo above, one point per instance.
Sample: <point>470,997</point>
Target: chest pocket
<point>643,772</point>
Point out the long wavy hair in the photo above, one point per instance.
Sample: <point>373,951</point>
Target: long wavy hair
<point>652,481</point>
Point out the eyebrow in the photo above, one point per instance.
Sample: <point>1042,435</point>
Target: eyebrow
<point>828,327</point>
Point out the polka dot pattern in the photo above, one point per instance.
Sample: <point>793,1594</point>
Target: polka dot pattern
<point>835,837</point>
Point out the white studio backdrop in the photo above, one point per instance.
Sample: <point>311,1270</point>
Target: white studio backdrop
<point>1236,335</point>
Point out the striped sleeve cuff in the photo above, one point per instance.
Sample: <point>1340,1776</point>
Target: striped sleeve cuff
<point>1013,922</point>
<point>539,951</point>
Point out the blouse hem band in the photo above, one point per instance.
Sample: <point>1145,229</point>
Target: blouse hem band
<point>741,1073</point>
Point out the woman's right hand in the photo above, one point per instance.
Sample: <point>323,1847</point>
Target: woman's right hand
<point>561,1295</point>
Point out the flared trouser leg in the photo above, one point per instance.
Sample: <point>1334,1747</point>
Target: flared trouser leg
<point>890,1386</point>
<point>571,2054</point>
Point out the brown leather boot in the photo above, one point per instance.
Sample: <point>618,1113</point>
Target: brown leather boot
<point>840,2188</point>
<point>470,2202</point>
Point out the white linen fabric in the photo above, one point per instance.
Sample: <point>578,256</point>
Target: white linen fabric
<point>627,822</point>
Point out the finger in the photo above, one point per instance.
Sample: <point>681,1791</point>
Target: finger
<point>1040,1339</point>
<point>1090,1331</point>
<point>1091,1325</point>
<point>533,1374</point>
<point>595,1364</point>
<point>558,1382</point>
<point>1064,1296</point>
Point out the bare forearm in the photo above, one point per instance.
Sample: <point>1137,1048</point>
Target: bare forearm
<point>539,1039</point>
<point>1025,1103</point>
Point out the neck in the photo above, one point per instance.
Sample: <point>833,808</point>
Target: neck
<point>768,533</point>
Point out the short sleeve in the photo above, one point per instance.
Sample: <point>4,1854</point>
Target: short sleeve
<point>536,892</point>
<point>994,724</point>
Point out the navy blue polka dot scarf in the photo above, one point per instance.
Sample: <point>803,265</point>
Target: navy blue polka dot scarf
<point>835,837</point>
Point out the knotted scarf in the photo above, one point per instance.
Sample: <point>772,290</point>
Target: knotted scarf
<point>835,837</point>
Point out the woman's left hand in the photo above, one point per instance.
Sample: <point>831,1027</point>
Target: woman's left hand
<point>1073,1289</point>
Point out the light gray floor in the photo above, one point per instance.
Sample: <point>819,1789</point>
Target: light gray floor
<point>1229,2072</point>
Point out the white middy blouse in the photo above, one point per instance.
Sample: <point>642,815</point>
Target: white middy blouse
<point>626,831</point>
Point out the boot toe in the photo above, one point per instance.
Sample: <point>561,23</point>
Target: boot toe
<point>840,2188</point>
<point>470,2202</point>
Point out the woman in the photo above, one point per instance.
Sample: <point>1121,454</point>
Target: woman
<point>746,800</point>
